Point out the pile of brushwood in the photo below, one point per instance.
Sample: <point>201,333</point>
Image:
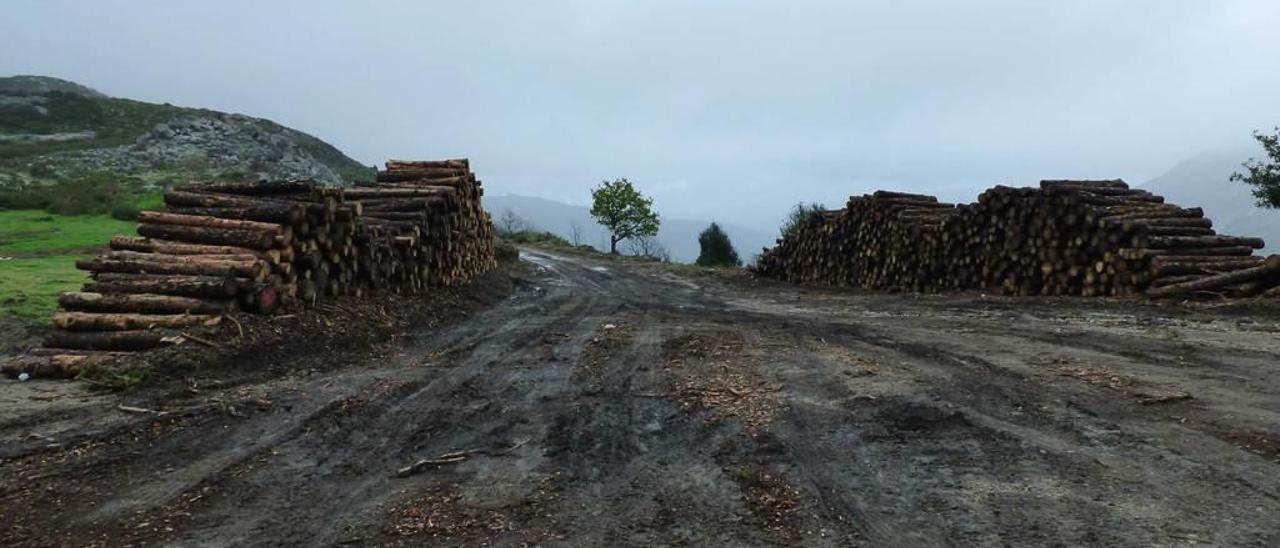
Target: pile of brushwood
<point>1086,238</point>
<point>219,248</point>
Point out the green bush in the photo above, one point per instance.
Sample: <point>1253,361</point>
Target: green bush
<point>717,250</point>
<point>23,199</point>
<point>799,216</point>
<point>534,237</point>
<point>88,194</point>
<point>125,212</point>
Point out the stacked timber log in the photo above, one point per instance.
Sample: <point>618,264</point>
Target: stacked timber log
<point>431,212</point>
<point>1088,238</point>
<point>223,247</point>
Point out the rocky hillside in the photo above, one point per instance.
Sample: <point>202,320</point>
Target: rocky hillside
<point>52,129</point>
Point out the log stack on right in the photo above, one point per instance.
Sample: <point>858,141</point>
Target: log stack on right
<point>1067,237</point>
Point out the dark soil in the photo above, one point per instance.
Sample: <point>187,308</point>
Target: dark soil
<point>603,403</point>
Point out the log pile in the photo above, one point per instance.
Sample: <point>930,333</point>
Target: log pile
<point>1086,238</point>
<point>430,214</point>
<point>217,248</point>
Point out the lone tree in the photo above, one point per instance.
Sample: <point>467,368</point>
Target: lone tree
<point>510,223</point>
<point>1264,177</point>
<point>624,211</point>
<point>716,248</point>
<point>798,216</point>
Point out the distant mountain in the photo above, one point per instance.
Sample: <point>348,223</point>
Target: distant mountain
<point>678,236</point>
<point>52,129</point>
<point>1204,181</point>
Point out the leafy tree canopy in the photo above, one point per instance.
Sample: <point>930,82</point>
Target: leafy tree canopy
<point>717,250</point>
<point>1264,176</point>
<point>624,211</point>
<point>798,216</point>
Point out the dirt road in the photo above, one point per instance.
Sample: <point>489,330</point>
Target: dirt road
<point>613,404</point>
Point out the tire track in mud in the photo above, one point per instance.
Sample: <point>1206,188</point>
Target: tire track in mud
<point>468,400</point>
<point>974,419</point>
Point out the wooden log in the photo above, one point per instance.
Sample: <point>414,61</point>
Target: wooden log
<point>377,193</point>
<point>1172,280</point>
<point>1135,222</point>
<point>149,303</point>
<point>402,175</point>
<point>205,287</point>
<point>255,270</point>
<point>246,258</point>
<point>280,213</point>
<point>1088,183</point>
<point>180,198</point>
<point>252,239</point>
<point>403,205</point>
<point>1209,283</point>
<point>61,365</point>
<point>163,218</point>
<point>259,188</point>
<point>165,247</point>
<point>1175,242</point>
<point>1175,231</point>
<point>397,165</point>
<point>91,321</point>
<point>110,340</point>
<point>1143,253</point>
<point>1176,266</point>
<point>904,195</point>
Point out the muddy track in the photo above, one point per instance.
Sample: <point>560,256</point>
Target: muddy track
<point>607,403</point>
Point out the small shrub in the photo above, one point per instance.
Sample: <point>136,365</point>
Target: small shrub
<point>125,212</point>
<point>717,250</point>
<point>118,375</point>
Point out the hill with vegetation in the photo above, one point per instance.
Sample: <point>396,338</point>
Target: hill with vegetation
<point>53,130</point>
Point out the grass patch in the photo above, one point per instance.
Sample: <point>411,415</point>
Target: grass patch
<point>29,287</point>
<point>115,375</point>
<point>29,232</point>
<point>538,238</point>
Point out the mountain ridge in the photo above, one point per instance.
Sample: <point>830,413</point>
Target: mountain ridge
<point>53,129</point>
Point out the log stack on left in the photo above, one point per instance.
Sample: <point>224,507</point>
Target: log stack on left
<point>207,254</point>
<point>223,247</point>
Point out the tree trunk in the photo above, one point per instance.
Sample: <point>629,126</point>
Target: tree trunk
<point>109,340</point>
<point>140,302</point>
<point>214,236</point>
<point>1270,268</point>
<point>206,287</point>
<point>89,321</point>
<point>256,270</point>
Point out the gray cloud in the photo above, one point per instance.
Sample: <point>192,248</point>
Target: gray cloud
<point>731,110</point>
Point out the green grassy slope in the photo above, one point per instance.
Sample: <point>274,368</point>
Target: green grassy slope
<point>38,253</point>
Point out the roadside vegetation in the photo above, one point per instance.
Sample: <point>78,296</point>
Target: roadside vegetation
<point>38,251</point>
<point>627,213</point>
<point>798,216</point>
<point>716,249</point>
<point>1263,176</point>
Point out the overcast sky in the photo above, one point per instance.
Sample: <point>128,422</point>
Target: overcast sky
<point>730,110</point>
